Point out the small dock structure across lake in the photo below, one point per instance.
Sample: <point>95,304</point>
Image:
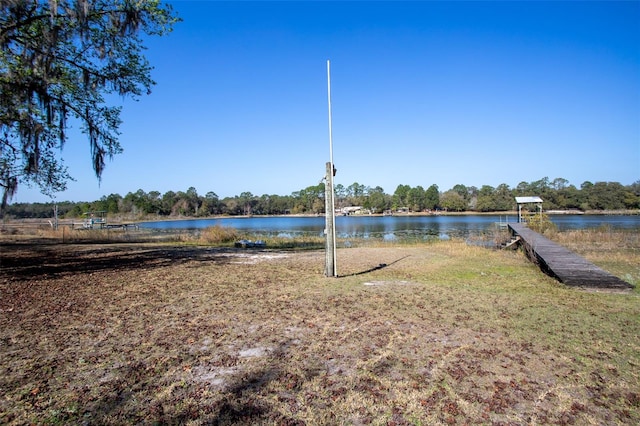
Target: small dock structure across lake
<point>561,263</point>
<point>98,220</point>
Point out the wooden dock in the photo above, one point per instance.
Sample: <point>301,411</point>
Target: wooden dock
<point>563,264</point>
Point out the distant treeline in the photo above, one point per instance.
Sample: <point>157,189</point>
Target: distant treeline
<point>558,194</point>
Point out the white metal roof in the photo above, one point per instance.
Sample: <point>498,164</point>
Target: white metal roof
<point>524,200</point>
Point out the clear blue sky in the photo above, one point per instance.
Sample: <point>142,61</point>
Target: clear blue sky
<point>477,93</point>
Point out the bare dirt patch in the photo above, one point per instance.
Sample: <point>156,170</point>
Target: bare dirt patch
<point>431,334</point>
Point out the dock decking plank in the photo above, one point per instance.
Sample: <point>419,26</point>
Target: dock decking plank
<point>561,263</point>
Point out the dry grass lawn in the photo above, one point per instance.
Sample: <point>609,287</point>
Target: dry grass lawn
<point>439,333</point>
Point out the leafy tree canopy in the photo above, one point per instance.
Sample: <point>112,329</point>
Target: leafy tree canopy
<point>310,200</point>
<point>58,61</point>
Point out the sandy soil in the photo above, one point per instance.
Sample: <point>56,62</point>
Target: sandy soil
<point>435,334</point>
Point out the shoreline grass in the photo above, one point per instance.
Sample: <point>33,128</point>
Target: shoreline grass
<point>614,250</point>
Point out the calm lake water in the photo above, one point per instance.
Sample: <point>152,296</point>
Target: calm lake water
<point>387,227</point>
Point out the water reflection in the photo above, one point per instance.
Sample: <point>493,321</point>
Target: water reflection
<point>388,228</point>
<point>414,227</point>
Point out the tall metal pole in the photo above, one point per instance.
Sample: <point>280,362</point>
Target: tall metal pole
<point>331,257</point>
<point>329,103</point>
